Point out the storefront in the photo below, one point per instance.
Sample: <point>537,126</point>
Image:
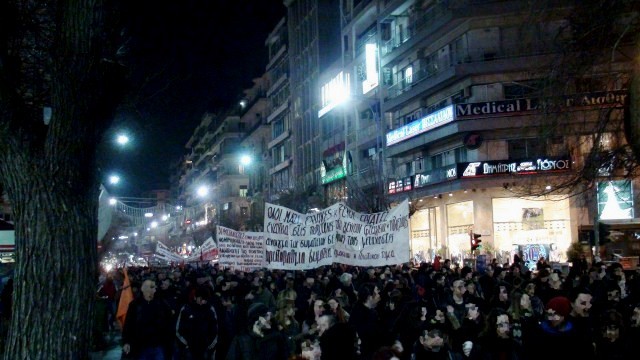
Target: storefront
<point>531,227</point>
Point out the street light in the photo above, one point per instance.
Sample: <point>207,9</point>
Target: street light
<point>202,191</point>
<point>114,179</point>
<point>122,139</point>
<point>245,159</point>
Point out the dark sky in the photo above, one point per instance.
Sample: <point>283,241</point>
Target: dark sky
<point>185,57</point>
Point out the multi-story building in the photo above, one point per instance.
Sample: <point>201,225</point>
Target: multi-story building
<point>254,154</point>
<point>313,32</point>
<point>280,160</point>
<point>461,92</point>
<point>349,113</point>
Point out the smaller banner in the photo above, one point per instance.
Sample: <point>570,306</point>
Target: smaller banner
<point>240,250</point>
<point>163,252</point>
<point>209,250</point>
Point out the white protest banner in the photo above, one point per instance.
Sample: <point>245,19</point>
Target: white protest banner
<point>295,241</point>
<point>377,239</point>
<point>253,251</point>
<point>209,250</point>
<point>165,253</point>
<point>292,242</point>
<point>240,250</point>
<point>229,247</point>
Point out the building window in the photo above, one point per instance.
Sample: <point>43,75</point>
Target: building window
<point>521,89</point>
<point>525,148</point>
<point>243,191</point>
<point>407,74</point>
<point>461,154</point>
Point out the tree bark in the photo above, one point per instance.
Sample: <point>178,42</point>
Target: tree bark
<point>50,172</point>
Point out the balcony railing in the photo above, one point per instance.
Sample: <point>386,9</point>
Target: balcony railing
<point>466,56</point>
<point>417,24</point>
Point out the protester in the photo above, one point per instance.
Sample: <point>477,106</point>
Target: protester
<point>147,327</point>
<point>397,311</point>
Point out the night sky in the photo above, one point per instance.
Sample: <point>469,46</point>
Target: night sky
<point>184,58</point>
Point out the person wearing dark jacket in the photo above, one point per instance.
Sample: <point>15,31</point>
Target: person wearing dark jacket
<point>337,340</point>
<point>432,345</point>
<point>556,332</point>
<point>260,341</point>
<point>147,326</point>
<point>197,327</point>
<point>365,319</point>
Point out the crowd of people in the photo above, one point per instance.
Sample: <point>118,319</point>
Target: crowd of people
<point>411,311</point>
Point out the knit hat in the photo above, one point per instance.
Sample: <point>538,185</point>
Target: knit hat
<point>255,311</point>
<point>561,305</point>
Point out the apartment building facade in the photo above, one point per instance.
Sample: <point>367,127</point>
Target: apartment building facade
<point>446,104</point>
<point>313,30</point>
<point>280,145</point>
<point>462,97</point>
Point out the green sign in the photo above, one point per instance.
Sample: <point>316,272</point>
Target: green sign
<point>333,175</point>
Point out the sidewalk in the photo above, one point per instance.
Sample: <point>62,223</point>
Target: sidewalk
<point>113,350</point>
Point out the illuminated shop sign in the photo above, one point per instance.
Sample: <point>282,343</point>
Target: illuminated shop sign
<point>615,200</point>
<point>335,164</point>
<point>402,185</point>
<point>371,68</point>
<point>333,175</point>
<point>516,106</point>
<point>334,93</point>
<point>521,167</point>
<point>420,126</point>
<point>435,176</point>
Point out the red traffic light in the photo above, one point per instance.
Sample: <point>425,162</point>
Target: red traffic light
<point>475,240</point>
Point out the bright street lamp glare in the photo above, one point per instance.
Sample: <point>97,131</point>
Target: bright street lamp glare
<point>245,159</point>
<point>122,139</point>
<point>112,201</point>
<point>203,191</point>
<point>114,179</point>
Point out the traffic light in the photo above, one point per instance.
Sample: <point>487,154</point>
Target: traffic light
<point>475,241</point>
<point>604,233</point>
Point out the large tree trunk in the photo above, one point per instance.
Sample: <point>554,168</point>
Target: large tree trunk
<point>56,267</point>
<point>50,172</point>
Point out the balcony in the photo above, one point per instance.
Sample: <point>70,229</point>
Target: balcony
<point>468,61</point>
<point>276,85</point>
<point>280,166</point>
<point>279,110</point>
<point>433,18</point>
<point>278,139</point>
<point>277,56</point>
